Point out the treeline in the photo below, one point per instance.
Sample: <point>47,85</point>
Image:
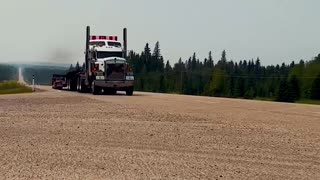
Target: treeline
<point>42,74</point>
<point>226,78</point>
<point>8,72</point>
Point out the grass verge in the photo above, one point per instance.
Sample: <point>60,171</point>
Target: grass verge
<point>13,87</point>
<point>302,101</point>
<point>309,101</point>
<point>264,99</point>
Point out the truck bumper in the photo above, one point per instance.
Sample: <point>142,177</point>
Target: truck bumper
<point>118,85</point>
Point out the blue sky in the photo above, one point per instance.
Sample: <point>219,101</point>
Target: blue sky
<point>53,30</point>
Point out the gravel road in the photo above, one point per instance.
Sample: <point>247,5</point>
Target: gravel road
<point>68,135</point>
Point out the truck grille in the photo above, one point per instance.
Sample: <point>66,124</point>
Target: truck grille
<point>115,72</point>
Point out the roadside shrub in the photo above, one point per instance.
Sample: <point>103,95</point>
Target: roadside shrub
<point>13,87</point>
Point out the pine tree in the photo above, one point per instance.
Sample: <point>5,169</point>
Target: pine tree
<point>193,61</point>
<point>224,56</point>
<point>315,88</point>
<point>143,79</point>
<point>210,60</point>
<point>147,58</point>
<point>189,64</point>
<point>147,51</point>
<point>292,64</point>
<point>294,87</point>
<point>156,51</point>
<point>223,61</point>
<point>205,62</point>
<point>258,64</point>
<point>284,94</point>
<point>249,94</point>
<point>162,87</point>
<point>301,63</point>
<point>168,67</point>
<point>77,66</point>
<point>161,64</point>
<point>71,68</point>
<point>317,59</point>
<point>217,84</point>
<point>232,87</point>
<point>157,63</point>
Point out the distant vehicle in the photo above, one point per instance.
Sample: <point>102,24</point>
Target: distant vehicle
<point>106,68</point>
<point>58,81</point>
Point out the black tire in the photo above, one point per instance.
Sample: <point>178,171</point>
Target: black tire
<point>95,90</point>
<point>73,85</point>
<point>129,92</point>
<point>78,84</point>
<point>82,87</point>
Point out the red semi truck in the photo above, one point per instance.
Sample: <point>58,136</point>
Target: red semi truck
<point>58,81</point>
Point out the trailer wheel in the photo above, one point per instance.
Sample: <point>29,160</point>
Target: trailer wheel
<point>81,86</point>
<point>73,85</point>
<point>78,84</point>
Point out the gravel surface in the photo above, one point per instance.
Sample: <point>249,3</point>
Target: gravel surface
<point>68,135</point>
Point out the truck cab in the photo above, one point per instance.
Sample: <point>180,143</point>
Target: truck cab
<point>106,46</point>
<point>109,68</point>
<point>105,68</point>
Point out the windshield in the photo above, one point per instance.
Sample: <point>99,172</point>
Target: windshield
<point>97,43</point>
<point>101,54</point>
<point>114,44</point>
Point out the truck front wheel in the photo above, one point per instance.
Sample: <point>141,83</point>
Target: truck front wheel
<point>129,91</point>
<point>94,89</point>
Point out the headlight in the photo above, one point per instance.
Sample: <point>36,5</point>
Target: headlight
<point>99,77</point>
<point>129,78</point>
